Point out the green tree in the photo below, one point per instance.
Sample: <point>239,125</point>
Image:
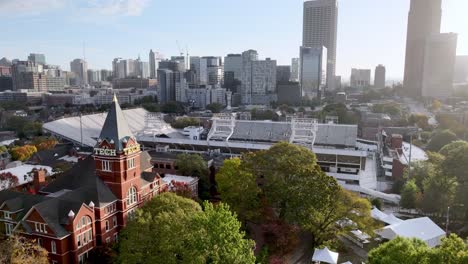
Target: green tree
<point>183,122</point>
<point>452,250</point>
<point>238,189</point>
<point>302,194</point>
<point>194,165</point>
<point>422,121</point>
<point>410,195</point>
<point>439,192</point>
<point>172,229</point>
<point>215,107</point>
<point>440,139</point>
<point>400,250</point>
<point>456,164</point>
<point>173,108</point>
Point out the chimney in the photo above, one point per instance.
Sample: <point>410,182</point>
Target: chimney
<point>39,179</point>
<point>396,141</point>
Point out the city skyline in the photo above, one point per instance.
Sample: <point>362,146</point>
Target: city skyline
<point>365,36</point>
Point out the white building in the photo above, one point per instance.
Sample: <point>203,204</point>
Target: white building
<point>258,79</point>
<point>320,22</point>
<point>295,69</point>
<point>360,78</point>
<point>313,65</point>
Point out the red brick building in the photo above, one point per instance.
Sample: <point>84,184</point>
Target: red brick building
<point>92,202</point>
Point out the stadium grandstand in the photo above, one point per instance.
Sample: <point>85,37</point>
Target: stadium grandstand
<point>339,152</point>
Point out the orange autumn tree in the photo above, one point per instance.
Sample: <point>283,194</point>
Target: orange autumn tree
<point>23,153</point>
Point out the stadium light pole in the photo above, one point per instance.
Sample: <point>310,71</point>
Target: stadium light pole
<point>81,131</point>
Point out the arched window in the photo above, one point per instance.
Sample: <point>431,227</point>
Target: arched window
<point>131,196</point>
<point>84,221</point>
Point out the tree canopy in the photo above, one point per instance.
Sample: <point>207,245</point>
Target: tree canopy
<point>23,153</point>
<point>172,229</point>
<point>440,139</point>
<point>453,250</point>
<point>184,122</point>
<point>215,107</point>
<point>20,250</point>
<point>291,182</point>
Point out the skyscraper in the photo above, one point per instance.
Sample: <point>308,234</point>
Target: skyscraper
<point>37,58</point>
<point>461,69</point>
<point>313,71</point>
<point>320,30</point>
<point>152,65</point>
<point>379,77</point>
<point>424,20</point>
<point>80,68</point>
<point>439,64</point>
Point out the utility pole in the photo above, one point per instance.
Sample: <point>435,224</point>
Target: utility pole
<point>409,158</point>
<point>447,222</point>
<point>81,131</point>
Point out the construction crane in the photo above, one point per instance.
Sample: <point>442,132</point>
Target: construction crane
<point>180,50</point>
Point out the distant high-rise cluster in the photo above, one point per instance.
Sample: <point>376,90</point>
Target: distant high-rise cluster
<point>313,73</point>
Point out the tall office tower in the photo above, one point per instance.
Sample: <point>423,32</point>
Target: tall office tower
<point>142,69</point>
<point>360,78</point>
<point>94,76</point>
<point>37,58</point>
<point>313,74</point>
<point>258,79</point>
<point>379,77</point>
<point>233,63</point>
<point>439,64</point>
<point>461,70</point>
<point>152,65</point>
<point>167,80</point>
<point>105,75</point>
<point>424,19</point>
<point>182,62</point>
<point>80,68</point>
<point>295,69</point>
<point>283,73</point>
<point>320,29</point>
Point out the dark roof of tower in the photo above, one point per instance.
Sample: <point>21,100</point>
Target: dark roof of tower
<point>115,128</point>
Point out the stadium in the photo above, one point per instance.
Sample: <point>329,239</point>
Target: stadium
<point>339,152</point>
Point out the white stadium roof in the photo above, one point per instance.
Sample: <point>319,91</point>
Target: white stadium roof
<point>262,131</point>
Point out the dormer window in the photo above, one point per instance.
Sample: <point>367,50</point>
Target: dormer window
<point>40,227</point>
<point>6,215</point>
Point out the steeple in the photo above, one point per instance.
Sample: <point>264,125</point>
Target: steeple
<point>115,130</point>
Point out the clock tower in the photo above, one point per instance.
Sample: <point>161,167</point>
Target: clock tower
<point>117,159</point>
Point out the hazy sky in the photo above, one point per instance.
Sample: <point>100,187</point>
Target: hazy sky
<point>370,32</point>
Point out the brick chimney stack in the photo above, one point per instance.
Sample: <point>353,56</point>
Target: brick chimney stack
<point>39,179</point>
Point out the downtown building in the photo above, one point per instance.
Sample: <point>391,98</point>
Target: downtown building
<point>88,205</point>
<point>313,71</point>
<point>379,77</point>
<point>360,78</point>
<point>320,25</point>
<point>80,68</point>
<point>258,79</point>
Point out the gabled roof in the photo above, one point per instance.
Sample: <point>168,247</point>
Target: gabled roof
<point>51,157</point>
<point>423,228</point>
<point>55,214</point>
<point>115,127</point>
<point>145,161</point>
<point>82,174</point>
